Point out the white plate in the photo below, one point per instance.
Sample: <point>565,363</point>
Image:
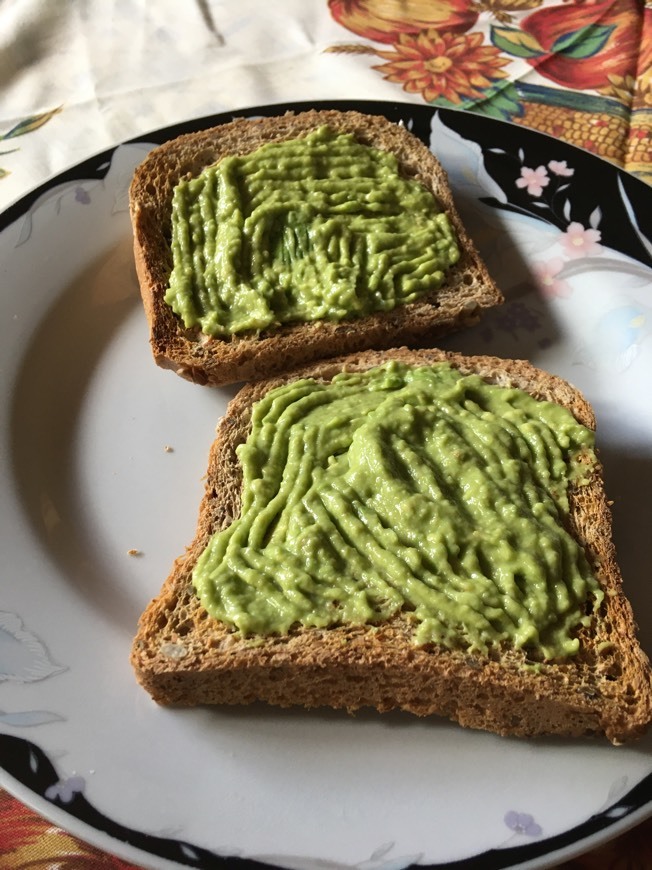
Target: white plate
<point>86,420</point>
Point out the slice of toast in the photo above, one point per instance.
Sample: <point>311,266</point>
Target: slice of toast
<point>466,291</point>
<point>184,656</point>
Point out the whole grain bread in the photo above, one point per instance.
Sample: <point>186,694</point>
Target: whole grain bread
<point>183,656</point>
<point>467,288</point>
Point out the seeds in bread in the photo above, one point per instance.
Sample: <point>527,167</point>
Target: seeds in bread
<point>466,291</point>
<point>183,656</point>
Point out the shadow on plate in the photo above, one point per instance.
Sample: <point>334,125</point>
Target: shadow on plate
<point>49,394</point>
<point>628,482</point>
<point>396,722</point>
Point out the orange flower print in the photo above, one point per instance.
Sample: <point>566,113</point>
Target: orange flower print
<point>443,65</point>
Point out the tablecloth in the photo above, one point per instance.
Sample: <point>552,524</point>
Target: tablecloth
<point>78,77</point>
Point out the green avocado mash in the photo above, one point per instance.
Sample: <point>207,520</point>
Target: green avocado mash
<point>412,489</point>
<point>321,227</point>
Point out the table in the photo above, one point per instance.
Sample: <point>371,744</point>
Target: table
<point>27,841</point>
<point>79,77</point>
<point>82,76</point>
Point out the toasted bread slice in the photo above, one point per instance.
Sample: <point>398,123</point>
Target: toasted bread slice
<point>466,291</point>
<point>183,656</point>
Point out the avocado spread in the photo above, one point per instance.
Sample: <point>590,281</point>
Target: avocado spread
<point>321,227</point>
<point>413,489</point>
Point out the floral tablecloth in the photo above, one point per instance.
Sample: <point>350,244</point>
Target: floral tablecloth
<point>81,76</point>
<point>78,77</point>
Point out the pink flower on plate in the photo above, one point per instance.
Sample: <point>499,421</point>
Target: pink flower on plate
<point>560,167</point>
<point>533,179</point>
<point>523,823</point>
<point>546,273</point>
<point>578,241</point>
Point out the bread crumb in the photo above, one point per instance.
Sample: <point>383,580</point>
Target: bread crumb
<point>168,449</point>
<point>173,650</point>
<point>133,552</point>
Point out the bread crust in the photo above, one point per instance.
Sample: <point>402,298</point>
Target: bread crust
<point>466,291</point>
<point>183,656</point>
